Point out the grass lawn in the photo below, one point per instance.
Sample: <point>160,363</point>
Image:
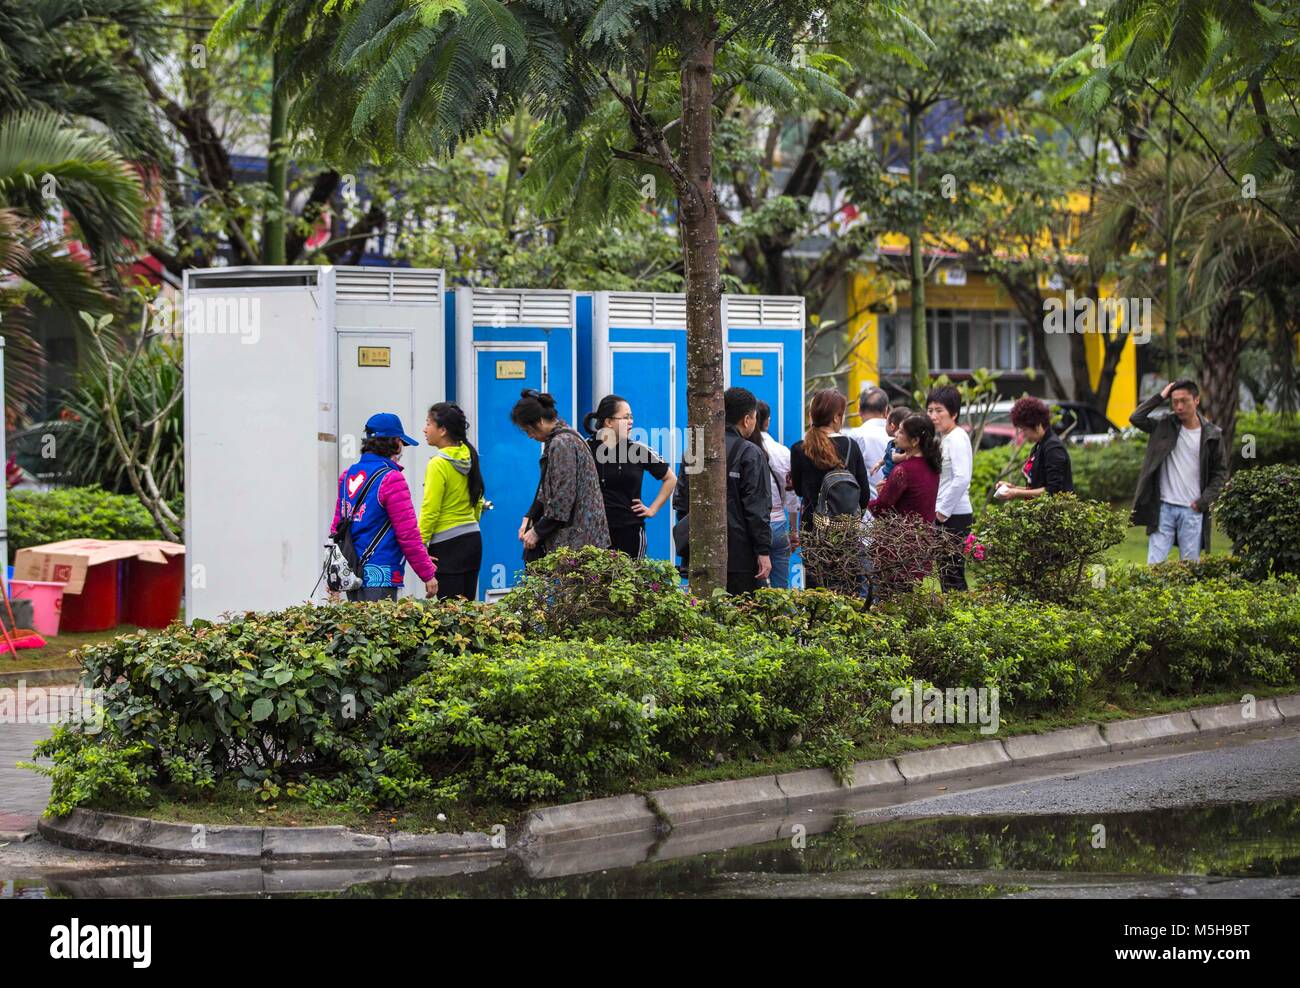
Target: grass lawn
<point>55,654</point>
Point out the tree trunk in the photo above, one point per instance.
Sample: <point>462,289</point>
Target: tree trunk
<point>277,169</point>
<point>1221,357</point>
<point>704,380</point>
<point>920,340</point>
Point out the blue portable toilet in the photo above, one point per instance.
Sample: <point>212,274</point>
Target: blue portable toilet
<point>508,339</point>
<point>638,347</point>
<point>764,340</point>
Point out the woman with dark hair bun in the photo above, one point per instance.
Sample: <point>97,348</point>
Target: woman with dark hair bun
<point>568,510</point>
<point>913,483</point>
<point>1048,469</point>
<point>622,465</point>
<point>453,502</point>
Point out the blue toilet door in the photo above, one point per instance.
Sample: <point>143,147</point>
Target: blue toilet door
<point>508,458</point>
<point>646,378</point>
<point>758,370</point>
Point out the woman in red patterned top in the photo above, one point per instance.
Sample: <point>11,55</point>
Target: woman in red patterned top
<point>913,484</point>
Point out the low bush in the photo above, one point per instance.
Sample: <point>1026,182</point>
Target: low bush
<point>1266,438</point>
<point>38,517</point>
<point>1258,510</point>
<point>1208,633</point>
<point>1108,471</point>
<point>1043,547</point>
<point>1034,654</point>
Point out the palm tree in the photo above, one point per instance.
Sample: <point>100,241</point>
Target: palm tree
<point>46,168</point>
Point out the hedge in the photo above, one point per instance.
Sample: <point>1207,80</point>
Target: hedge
<point>38,517</point>
<point>379,704</point>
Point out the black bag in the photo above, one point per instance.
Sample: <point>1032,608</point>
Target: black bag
<point>839,494</point>
<point>356,562</point>
<point>682,530</point>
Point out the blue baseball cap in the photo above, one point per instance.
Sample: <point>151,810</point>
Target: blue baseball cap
<point>389,426</point>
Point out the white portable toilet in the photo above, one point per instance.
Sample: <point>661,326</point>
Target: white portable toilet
<point>283,365</point>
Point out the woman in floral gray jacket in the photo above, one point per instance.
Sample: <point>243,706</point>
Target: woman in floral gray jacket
<point>569,509</point>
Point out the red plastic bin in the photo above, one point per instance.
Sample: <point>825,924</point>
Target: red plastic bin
<point>95,608</point>
<point>153,592</point>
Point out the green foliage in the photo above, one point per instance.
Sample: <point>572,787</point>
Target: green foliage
<point>149,384</point>
<point>1033,653</point>
<point>413,701</point>
<point>603,593</point>
<point>1190,635</point>
<point>1108,471</point>
<point>1042,547</point>
<point>1258,510</point>
<point>89,768</point>
<point>1270,436</point>
<point>38,517</point>
<point>991,465</point>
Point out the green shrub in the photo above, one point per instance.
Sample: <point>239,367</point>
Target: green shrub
<point>1108,471</point>
<point>1174,572</point>
<point>1260,511</point>
<point>1270,436</point>
<point>1191,635</point>
<point>1034,654</point>
<point>38,517</point>
<point>91,768</point>
<point>1043,547</point>
<point>991,465</point>
<point>544,720</point>
<point>602,593</point>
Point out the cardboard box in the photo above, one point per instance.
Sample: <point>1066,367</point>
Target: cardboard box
<point>67,562</point>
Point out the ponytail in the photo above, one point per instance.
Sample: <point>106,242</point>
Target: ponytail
<point>593,422</point>
<point>920,429</point>
<point>826,407</point>
<point>450,416</point>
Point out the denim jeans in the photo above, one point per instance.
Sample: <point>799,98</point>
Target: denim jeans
<point>780,578</point>
<point>1180,524</point>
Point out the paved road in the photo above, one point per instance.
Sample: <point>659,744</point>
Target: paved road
<point>1236,768</point>
<point>23,793</point>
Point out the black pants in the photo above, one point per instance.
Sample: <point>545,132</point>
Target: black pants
<point>373,593</point>
<point>952,573</point>
<point>458,560</point>
<point>742,582</point>
<point>629,540</point>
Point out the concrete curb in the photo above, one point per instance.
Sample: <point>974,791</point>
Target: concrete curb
<point>67,676</point>
<point>664,810</point>
<point>91,830</point>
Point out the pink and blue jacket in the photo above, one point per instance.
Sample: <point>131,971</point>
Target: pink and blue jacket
<point>387,500</point>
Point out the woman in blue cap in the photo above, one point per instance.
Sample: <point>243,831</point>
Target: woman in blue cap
<point>375,495</point>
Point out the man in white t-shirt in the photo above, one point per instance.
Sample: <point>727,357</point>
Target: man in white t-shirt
<point>1184,470</point>
<point>871,437</point>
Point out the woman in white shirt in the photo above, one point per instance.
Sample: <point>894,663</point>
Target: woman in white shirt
<point>952,508</point>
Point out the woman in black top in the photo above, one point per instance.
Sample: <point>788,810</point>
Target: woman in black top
<point>622,465</point>
<point>1048,470</point>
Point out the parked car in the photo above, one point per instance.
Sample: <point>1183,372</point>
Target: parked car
<point>1072,420</point>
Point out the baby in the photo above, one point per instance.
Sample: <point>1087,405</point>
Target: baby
<point>892,453</point>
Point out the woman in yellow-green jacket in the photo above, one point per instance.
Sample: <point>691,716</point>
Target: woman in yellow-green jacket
<point>453,502</point>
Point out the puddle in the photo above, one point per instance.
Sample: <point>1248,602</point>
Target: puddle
<point>1226,850</point>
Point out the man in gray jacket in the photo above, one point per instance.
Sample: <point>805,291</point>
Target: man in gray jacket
<point>1185,468</point>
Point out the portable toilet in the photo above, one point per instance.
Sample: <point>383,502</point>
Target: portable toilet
<point>283,365</point>
<point>508,339</point>
<point>638,345</point>
<point>764,340</point>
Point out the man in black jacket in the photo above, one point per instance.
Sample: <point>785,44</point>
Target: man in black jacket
<point>749,497</point>
<point>1185,468</point>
